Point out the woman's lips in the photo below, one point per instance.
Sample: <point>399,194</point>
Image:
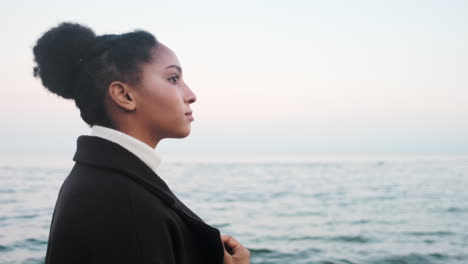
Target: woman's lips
<point>189,116</point>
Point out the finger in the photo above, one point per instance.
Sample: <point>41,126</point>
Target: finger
<point>227,248</point>
<point>229,241</point>
<point>233,244</point>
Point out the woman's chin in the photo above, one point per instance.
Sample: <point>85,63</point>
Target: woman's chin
<point>182,134</point>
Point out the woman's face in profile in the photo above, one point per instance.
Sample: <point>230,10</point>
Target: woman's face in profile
<point>163,97</point>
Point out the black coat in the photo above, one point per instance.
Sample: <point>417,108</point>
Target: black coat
<point>113,208</point>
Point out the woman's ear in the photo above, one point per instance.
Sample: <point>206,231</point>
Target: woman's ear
<point>122,95</point>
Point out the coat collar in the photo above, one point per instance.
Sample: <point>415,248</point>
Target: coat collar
<point>142,150</point>
<point>100,152</point>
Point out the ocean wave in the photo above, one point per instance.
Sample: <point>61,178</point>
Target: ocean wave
<point>5,248</point>
<point>456,210</point>
<point>344,238</point>
<point>260,250</point>
<point>353,239</point>
<point>7,191</point>
<point>31,244</point>
<point>431,233</point>
<point>34,261</point>
<point>335,261</point>
<point>417,259</point>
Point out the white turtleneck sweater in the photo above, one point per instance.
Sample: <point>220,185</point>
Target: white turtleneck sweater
<point>140,149</point>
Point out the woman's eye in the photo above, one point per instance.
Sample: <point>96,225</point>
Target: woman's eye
<point>174,79</point>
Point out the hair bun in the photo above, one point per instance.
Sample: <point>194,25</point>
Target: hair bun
<point>57,55</point>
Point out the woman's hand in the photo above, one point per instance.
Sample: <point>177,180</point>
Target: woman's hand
<point>234,252</point>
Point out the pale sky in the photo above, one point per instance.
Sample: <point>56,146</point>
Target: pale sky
<point>270,76</point>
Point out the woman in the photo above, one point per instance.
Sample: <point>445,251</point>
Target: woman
<point>113,207</point>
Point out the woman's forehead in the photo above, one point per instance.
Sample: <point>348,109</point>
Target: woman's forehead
<point>165,57</point>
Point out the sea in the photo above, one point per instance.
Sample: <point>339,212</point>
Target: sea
<point>326,209</point>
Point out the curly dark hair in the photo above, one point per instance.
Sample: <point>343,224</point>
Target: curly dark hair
<point>74,63</point>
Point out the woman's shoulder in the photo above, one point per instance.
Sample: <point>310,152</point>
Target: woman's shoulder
<point>97,188</point>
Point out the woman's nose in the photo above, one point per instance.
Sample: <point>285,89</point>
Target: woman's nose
<point>190,96</point>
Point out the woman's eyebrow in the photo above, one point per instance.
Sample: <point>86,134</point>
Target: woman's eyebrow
<point>175,66</point>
